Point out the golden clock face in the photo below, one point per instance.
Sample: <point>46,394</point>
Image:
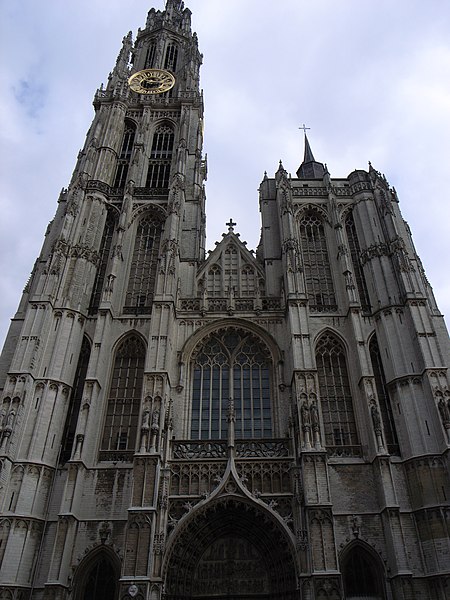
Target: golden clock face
<point>151,81</point>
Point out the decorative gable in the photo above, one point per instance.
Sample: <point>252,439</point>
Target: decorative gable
<point>231,269</point>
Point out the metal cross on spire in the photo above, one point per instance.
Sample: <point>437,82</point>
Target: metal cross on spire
<point>304,128</point>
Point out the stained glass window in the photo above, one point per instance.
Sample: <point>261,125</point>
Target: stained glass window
<point>336,398</point>
<point>120,429</point>
<point>235,365</point>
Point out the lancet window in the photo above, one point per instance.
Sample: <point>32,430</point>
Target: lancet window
<point>215,281</point>
<point>122,415</point>
<point>384,401</point>
<point>316,264</point>
<point>248,281</point>
<point>123,162</point>
<point>170,62</point>
<point>143,271</point>
<point>158,174</point>
<point>339,423</point>
<point>358,272</point>
<point>104,252</point>
<point>231,365</point>
<point>75,401</point>
<point>150,57</point>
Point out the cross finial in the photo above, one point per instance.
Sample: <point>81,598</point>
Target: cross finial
<point>304,128</point>
<point>231,225</point>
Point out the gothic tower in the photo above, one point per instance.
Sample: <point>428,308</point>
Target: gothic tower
<point>258,425</point>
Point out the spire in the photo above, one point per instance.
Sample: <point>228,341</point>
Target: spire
<point>308,157</point>
<point>310,168</point>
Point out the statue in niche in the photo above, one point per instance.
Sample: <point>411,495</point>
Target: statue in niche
<point>445,412</point>
<point>306,420</point>
<point>155,420</point>
<point>376,419</point>
<point>146,419</point>
<point>314,416</point>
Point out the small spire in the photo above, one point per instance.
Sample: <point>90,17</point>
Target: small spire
<point>310,168</point>
<point>308,157</point>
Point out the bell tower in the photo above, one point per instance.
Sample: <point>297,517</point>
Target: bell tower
<point>126,240</point>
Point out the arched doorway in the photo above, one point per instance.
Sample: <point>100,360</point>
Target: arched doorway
<point>362,573</point>
<point>231,550</point>
<point>97,577</point>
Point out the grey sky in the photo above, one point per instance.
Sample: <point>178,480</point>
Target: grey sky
<point>370,77</point>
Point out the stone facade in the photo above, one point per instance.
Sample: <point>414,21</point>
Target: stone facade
<point>269,424</point>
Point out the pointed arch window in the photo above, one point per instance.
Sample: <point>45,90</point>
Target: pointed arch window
<point>141,283</point>
<point>215,281</point>
<point>355,252</point>
<point>339,423</point>
<point>170,62</point>
<point>104,252</point>
<point>235,365</point>
<point>248,281</point>
<point>158,174</point>
<point>123,162</point>
<point>150,57</point>
<point>384,400</point>
<point>316,264</point>
<point>75,401</point>
<point>124,398</point>
<point>231,258</point>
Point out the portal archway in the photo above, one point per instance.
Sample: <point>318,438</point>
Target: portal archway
<point>231,549</point>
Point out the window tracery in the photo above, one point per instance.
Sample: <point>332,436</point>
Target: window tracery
<point>215,281</point>
<point>170,62</point>
<point>150,57</point>
<point>143,271</point>
<point>158,174</point>
<point>355,252</point>
<point>335,393</point>
<point>124,159</point>
<point>121,423</point>
<point>316,263</point>
<point>231,364</point>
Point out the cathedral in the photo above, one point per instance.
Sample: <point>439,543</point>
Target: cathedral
<point>177,424</point>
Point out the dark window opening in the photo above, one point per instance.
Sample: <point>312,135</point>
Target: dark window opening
<point>355,252</point>
<point>104,252</point>
<point>170,62</point>
<point>75,402</point>
<point>384,400</point>
<point>124,159</point>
